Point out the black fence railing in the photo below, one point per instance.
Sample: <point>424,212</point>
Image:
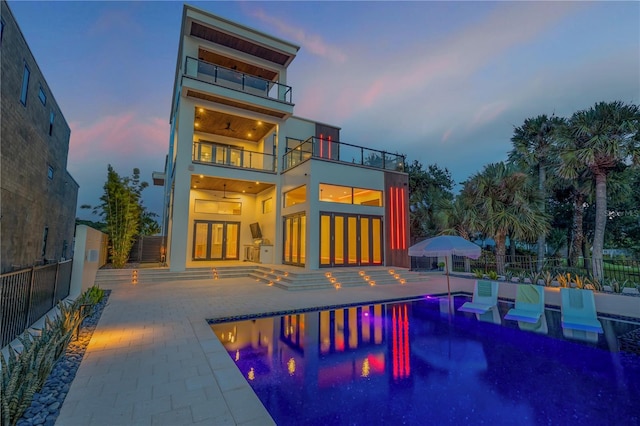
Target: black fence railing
<point>29,294</point>
<point>343,152</point>
<point>226,77</point>
<point>623,271</point>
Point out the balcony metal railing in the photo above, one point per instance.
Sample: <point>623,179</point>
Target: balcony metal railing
<point>221,76</point>
<point>212,153</point>
<point>344,153</point>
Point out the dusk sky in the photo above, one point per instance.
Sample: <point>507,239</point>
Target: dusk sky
<point>442,82</point>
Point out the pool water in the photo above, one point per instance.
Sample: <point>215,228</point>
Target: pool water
<point>411,363</point>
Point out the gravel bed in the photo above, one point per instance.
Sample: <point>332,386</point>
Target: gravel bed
<point>46,404</point>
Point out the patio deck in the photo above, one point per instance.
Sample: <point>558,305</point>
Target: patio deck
<point>153,359</point>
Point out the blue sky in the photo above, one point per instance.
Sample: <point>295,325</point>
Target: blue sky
<point>443,82</point>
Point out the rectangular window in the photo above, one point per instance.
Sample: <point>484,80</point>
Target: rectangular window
<point>50,173</point>
<point>25,85</point>
<point>217,207</point>
<point>350,195</point>
<point>1,31</point>
<point>295,196</point>
<point>42,96</point>
<point>52,118</point>
<point>267,205</point>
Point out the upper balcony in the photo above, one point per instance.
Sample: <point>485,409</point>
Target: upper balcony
<point>212,153</point>
<point>270,97</point>
<point>344,153</point>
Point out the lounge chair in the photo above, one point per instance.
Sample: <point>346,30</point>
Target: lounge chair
<point>579,310</point>
<point>485,297</point>
<point>529,304</point>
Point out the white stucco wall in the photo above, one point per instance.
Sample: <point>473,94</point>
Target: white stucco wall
<point>89,255</point>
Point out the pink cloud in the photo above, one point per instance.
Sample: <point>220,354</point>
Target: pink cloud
<point>489,112</point>
<point>125,135</point>
<point>446,135</point>
<point>311,42</point>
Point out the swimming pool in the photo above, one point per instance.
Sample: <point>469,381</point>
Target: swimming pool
<point>410,363</point>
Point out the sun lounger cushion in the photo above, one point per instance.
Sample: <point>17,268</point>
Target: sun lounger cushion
<point>579,310</point>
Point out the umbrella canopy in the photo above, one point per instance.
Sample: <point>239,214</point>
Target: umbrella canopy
<point>445,245</point>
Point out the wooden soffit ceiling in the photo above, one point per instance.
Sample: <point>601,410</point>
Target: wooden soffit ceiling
<point>236,65</point>
<point>230,186</point>
<point>232,126</point>
<point>239,44</point>
<point>228,102</point>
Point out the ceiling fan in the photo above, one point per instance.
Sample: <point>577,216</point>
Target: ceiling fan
<point>224,194</point>
<point>228,127</point>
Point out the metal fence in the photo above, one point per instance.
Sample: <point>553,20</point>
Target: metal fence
<point>609,269</point>
<point>29,294</point>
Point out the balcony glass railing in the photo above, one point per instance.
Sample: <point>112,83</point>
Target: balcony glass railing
<point>221,76</point>
<point>212,153</point>
<point>343,152</point>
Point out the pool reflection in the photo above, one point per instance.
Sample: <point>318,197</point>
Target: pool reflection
<point>387,364</point>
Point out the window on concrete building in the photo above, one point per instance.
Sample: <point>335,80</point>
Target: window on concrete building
<point>52,117</point>
<point>42,96</point>
<point>295,196</point>
<point>1,31</point>
<point>25,85</point>
<point>267,205</point>
<point>50,173</point>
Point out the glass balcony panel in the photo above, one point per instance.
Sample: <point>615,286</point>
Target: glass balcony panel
<point>206,152</point>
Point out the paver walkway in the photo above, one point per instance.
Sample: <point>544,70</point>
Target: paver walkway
<point>153,359</point>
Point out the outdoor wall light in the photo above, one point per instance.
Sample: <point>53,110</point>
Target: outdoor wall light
<point>403,281</point>
<point>333,280</point>
<point>361,273</point>
<point>134,276</point>
<point>372,283</point>
<point>327,274</point>
<point>391,272</point>
<point>270,283</point>
<point>366,277</point>
<point>396,276</point>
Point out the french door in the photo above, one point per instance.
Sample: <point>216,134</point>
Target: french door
<point>350,240</point>
<point>214,240</point>
<point>295,233</point>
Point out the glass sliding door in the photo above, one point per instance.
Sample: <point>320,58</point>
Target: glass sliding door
<point>216,240</point>
<point>294,234</point>
<point>350,240</point>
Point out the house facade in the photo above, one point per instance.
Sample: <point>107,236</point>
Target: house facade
<point>247,180</point>
<point>37,195</point>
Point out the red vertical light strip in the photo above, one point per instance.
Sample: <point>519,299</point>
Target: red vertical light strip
<point>394,340</point>
<point>398,219</point>
<point>403,220</point>
<point>407,364</point>
<point>401,344</point>
<point>392,222</point>
<point>321,144</point>
<point>329,143</point>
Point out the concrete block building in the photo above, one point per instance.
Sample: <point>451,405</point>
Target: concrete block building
<point>37,195</point>
<point>247,180</point>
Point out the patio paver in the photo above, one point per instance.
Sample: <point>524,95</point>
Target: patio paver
<point>153,359</point>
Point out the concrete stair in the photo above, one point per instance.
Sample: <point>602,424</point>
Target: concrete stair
<point>334,278</point>
<point>284,277</point>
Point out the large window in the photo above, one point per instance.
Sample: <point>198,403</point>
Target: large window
<point>295,196</point>
<point>52,118</point>
<point>217,207</point>
<point>295,234</point>
<point>25,85</point>
<point>350,195</point>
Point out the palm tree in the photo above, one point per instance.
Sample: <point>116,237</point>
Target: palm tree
<point>503,201</point>
<point>533,144</point>
<point>601,139</point>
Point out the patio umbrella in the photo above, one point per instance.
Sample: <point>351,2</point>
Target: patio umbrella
<point>446,245</point>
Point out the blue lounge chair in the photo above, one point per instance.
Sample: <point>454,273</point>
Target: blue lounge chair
<point>579,310</point>
<point>485,297</point>
<point>529,304</point>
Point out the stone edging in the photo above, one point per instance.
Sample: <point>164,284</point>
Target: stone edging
<point>46,404</point>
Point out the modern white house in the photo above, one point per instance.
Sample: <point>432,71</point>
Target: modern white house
<point>247,180</point>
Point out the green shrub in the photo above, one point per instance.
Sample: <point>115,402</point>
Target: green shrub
<point>23,373</point>
<point>493,275</point>
<point>478,273</point>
